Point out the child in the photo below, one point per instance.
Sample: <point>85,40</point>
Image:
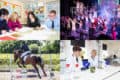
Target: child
<point>3,21</point>
<point>13,22</point>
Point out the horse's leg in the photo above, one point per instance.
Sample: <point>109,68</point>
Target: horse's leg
<point>43,70</point>
<point>37,70</point>
<point>41,64</point>
<point>22,63</point>
<point>18,63</point>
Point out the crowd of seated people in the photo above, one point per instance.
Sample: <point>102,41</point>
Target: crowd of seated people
<point>92,25</point>
<point>11,22</point>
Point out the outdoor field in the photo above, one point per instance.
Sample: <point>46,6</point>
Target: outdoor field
<point>9,69</point>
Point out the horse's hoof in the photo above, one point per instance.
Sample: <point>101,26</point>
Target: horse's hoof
<point>40,77</point>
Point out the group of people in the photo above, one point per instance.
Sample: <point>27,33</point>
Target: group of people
<point>86,23</point>
<point>10,23</point>
<point>78,58</point>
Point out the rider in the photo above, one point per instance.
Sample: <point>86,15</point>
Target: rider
<point>26,51</point>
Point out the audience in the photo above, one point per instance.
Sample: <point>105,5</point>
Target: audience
<point>93,24</point>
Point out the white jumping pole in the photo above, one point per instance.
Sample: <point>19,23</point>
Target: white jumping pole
<point>11,71</point>
<point>51,72</point>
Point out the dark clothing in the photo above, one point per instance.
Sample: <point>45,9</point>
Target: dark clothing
<point>3,25</point>
<point>25,48</point>
<point>52,24</point>
<point>33,24</point>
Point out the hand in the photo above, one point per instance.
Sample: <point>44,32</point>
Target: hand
<point>16,29</point>
<point>3,31</point>
<point>11,31</point>
<point>41,28</point>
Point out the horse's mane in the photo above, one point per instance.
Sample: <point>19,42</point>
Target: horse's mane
<point>17,50</point>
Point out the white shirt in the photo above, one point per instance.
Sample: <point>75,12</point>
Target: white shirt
<point>94,62</point>
<point>71,60</point>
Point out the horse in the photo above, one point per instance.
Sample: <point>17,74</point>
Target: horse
<point>33,60</point>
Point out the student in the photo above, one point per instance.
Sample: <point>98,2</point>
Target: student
<point>13,22</point>
<point>33,21</point>
<point>53,22</point>
<point>3,21</point>
<point>75,60</point>
<point>93,58</point>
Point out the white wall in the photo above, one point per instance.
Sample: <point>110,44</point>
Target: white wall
<point>112,46</point>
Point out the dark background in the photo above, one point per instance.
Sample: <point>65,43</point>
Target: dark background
<point>66,4</point>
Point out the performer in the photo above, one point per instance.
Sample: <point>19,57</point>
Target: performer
<point>113,29</point>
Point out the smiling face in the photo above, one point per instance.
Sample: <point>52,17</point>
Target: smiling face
<point>31,16</point>
<point>5,17</point>
<point>4,14</point>
<point>14,16</point>
<point>52,16</point>
<point>76,51</point>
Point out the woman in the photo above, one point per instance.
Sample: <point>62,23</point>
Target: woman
<point>33,21</point>
<point>13,22</point>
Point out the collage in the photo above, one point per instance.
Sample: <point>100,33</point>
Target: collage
<point>59,39</point>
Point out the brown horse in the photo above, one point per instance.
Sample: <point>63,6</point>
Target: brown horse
<point>33,60</point>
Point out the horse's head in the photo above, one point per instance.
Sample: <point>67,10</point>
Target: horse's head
<point>17,54</point>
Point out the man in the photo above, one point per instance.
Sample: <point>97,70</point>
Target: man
<point>3,21</point>
<point>53,22</point>
<point>26,51</point>
<point>75,60</point>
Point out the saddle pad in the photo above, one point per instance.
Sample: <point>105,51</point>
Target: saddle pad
<point>25,58</point>
<point>32,55</point>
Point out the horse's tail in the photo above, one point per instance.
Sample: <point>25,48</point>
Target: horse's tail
<point>39,60</point>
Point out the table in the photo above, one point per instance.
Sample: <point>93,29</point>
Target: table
<point>108,73</point>
<point>30,34</point>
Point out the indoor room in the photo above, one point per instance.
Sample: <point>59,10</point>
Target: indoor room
<point>85,59</point>
<point>28,19</point>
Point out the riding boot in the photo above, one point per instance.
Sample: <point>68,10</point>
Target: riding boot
<point>23,63</point>
<point>22,60</point>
